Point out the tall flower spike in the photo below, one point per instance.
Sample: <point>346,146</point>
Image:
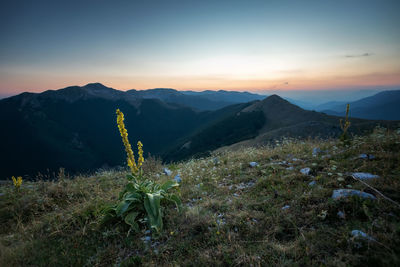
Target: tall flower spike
<point>140,152</point>
<point>128,148</point>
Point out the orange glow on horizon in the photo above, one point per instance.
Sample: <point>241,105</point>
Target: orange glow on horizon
<point>200,83</point>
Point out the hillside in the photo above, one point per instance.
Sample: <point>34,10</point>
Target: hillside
<point>277,213</point>
<point>75,128</point>
<point>381,106</point>
<point>263,122</point>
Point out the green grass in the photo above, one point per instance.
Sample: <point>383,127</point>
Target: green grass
<point>232,213</point>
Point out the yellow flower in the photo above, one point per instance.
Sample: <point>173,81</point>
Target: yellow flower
<point>140,152</point>
<point>17,182</point>
<point>128,148</point>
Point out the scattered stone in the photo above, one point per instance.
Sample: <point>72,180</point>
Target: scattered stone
<point>340,179</point>
<point>341,215</point>
<point>167,171</point>
<point>216,161</point>
<point>364,175</point>
<point>253,164</point>
<point>366,156</point>
<point>361,234</point>
<point>312,183</point>
<point>285,207</point>
<point>178,178</point>
<point>147,232</point>
<point>316,151</point>
<point>242,186</point>
<point>2,194</point>
<point>344,193</point>
<point>290,168</point>
<point>305,171</point>
<point>236,195</point>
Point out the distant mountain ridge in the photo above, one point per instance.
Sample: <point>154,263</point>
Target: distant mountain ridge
<point>381,106</point>
<point>75,127</point>
<point>205,100</point>
<point>262,122</point>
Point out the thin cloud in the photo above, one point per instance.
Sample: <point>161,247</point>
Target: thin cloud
<point>359,55</point>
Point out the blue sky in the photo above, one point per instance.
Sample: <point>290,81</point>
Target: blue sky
<point>234,45</point>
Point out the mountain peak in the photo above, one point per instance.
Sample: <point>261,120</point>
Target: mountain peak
<point>95,86</point>
<point>275,99</point>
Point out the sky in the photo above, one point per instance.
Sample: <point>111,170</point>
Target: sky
<point>259,46</point>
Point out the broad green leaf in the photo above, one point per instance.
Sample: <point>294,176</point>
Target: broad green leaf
<point>174,198</point>
<point>169,184</point>
<point>130,219</point>
<point>153,209</point>
<point>122,207</point>
<point>133,196</point>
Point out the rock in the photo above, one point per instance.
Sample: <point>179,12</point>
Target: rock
<point>285,207</point>
<point>361,234</point>
<point>366,156</point>
<point>290,168</point>
<point>316,151</point>
<point>305,171</point>
<point>253,164</point>
<point>312,183</point>
<point>178,178</point>
<point>344,193</point>
<point>364,175</point>
<point>341,214</point>
<point>167,172</point>
<point>216,161</point>
<point>2,194</point>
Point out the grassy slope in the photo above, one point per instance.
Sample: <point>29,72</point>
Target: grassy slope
<point>226,219</point>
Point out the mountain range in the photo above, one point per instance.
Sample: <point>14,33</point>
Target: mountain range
<point>75,127</point>
<point>381,106</point>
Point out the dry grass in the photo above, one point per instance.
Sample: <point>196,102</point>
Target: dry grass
<point>233,213</point>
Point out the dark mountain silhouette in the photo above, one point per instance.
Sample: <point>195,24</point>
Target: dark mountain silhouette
<point>75,127</point>
<point>206,100</point>
<point>381,106</point>
<point>265,121</point>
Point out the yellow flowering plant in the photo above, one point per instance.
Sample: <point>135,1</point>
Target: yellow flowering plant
<point>17,182</point>
<point>344,125</point>
<point>141,199</point>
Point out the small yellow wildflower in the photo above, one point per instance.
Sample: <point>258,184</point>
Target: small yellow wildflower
<point>128,148</point>
<point>171,233</point>
<point>140,152</point>
<point>17,182</point>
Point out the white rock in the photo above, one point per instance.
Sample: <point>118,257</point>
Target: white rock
<point>305,171</point>
<point>364,175</point>
<point>167,172</point>
<point>253,164</point>
<point>361,234</point>
<point>344,193</point>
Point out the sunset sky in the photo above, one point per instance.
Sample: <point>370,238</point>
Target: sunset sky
<point>255,46</point>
